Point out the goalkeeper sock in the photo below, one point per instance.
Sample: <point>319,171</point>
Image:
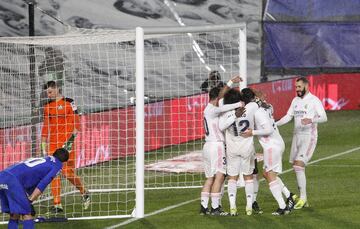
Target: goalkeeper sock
<point>275,189</point>
<point>284,189</point>
<point>301,180</point>
<point>13,224</point>
<point>232,189</point>
<point>28,224</point>
<point>205,199</point>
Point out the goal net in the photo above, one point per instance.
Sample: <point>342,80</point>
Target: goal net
<point>97,69</point>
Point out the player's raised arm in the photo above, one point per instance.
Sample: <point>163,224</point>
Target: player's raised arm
<point>228,107</point>
<point>229,85</point>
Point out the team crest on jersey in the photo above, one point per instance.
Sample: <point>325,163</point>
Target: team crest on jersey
<point>60,107</point>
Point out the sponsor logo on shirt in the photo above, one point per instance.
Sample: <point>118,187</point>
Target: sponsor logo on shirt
<point>60,107</point>
<point>299,112</point>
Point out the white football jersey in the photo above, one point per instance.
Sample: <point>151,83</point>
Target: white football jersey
<point>235,126</point>
<point>266,129</point>
<point>211,121</point>
<point>308,107</point>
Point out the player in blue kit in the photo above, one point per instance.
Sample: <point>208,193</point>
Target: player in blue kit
<point>22,183</point>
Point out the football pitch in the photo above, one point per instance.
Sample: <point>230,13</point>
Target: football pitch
<point>333,186</point>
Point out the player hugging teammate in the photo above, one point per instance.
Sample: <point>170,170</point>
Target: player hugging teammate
<point>233,118</point>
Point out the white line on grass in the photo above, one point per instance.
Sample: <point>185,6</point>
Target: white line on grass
<point>190,201</point>
<point>337,166</point>
<point>152,213</point>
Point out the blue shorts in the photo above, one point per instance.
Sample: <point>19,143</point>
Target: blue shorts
<point>13,196</point>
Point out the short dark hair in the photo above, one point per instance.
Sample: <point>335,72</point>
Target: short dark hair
<point>303,79</point>
<point>61,154</point>
<point>248,95</point>
<point>51,84</point>
<point>232,96</point>
<point>214,93</point>
<point>214,75</point>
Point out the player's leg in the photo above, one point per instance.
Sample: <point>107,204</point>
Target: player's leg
<point>291,198</point>
<point>216,195</point>
<point>13,221</point>
<point>233,169</point>
<point>249,192</point>
<point>19,204</point>
<point>306,147</point>
<point>222,190</point>
<point>279,149</point>
<point>275,189</point>
<point>218,161</point>
<point>28,221</point>
<point>5,208</point>
<point>247,168</point>
<point>273,166</point>
<point>69,172</point>
<point>55,186</point>
<point>255,206</point>
<point>209,174</point>
<point>205,195</point>
<point>56,191</point>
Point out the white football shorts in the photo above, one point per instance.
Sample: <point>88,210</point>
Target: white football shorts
<point>214,158</point>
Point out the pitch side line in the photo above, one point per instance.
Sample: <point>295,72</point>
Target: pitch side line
<point>190,201</point>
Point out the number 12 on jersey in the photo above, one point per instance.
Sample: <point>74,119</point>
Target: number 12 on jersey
<point>240,126</point>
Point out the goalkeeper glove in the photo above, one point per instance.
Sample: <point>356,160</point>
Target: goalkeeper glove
<point>68,144</point>
<point>43,148</point>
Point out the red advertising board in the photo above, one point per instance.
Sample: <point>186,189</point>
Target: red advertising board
<point>336,91</point>
<point>111,134</point>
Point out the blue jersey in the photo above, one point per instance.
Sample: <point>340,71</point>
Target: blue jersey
<point>35,172</point>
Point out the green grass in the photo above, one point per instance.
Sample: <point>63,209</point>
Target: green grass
<point>333,189</point>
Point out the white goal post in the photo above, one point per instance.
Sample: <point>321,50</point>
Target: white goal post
<point>138,92</point>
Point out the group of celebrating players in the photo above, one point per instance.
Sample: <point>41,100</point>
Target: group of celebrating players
<point>231,120</point>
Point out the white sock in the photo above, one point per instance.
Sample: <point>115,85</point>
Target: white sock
<point>301,180</point>
<point>256,186</point>
<point>215,197</point>
<point>221,193</point>
<point>249,191</point>
<point>284,189</point>
<point>275,189</point>
<point>205,199</point>
<point>232,189</point>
